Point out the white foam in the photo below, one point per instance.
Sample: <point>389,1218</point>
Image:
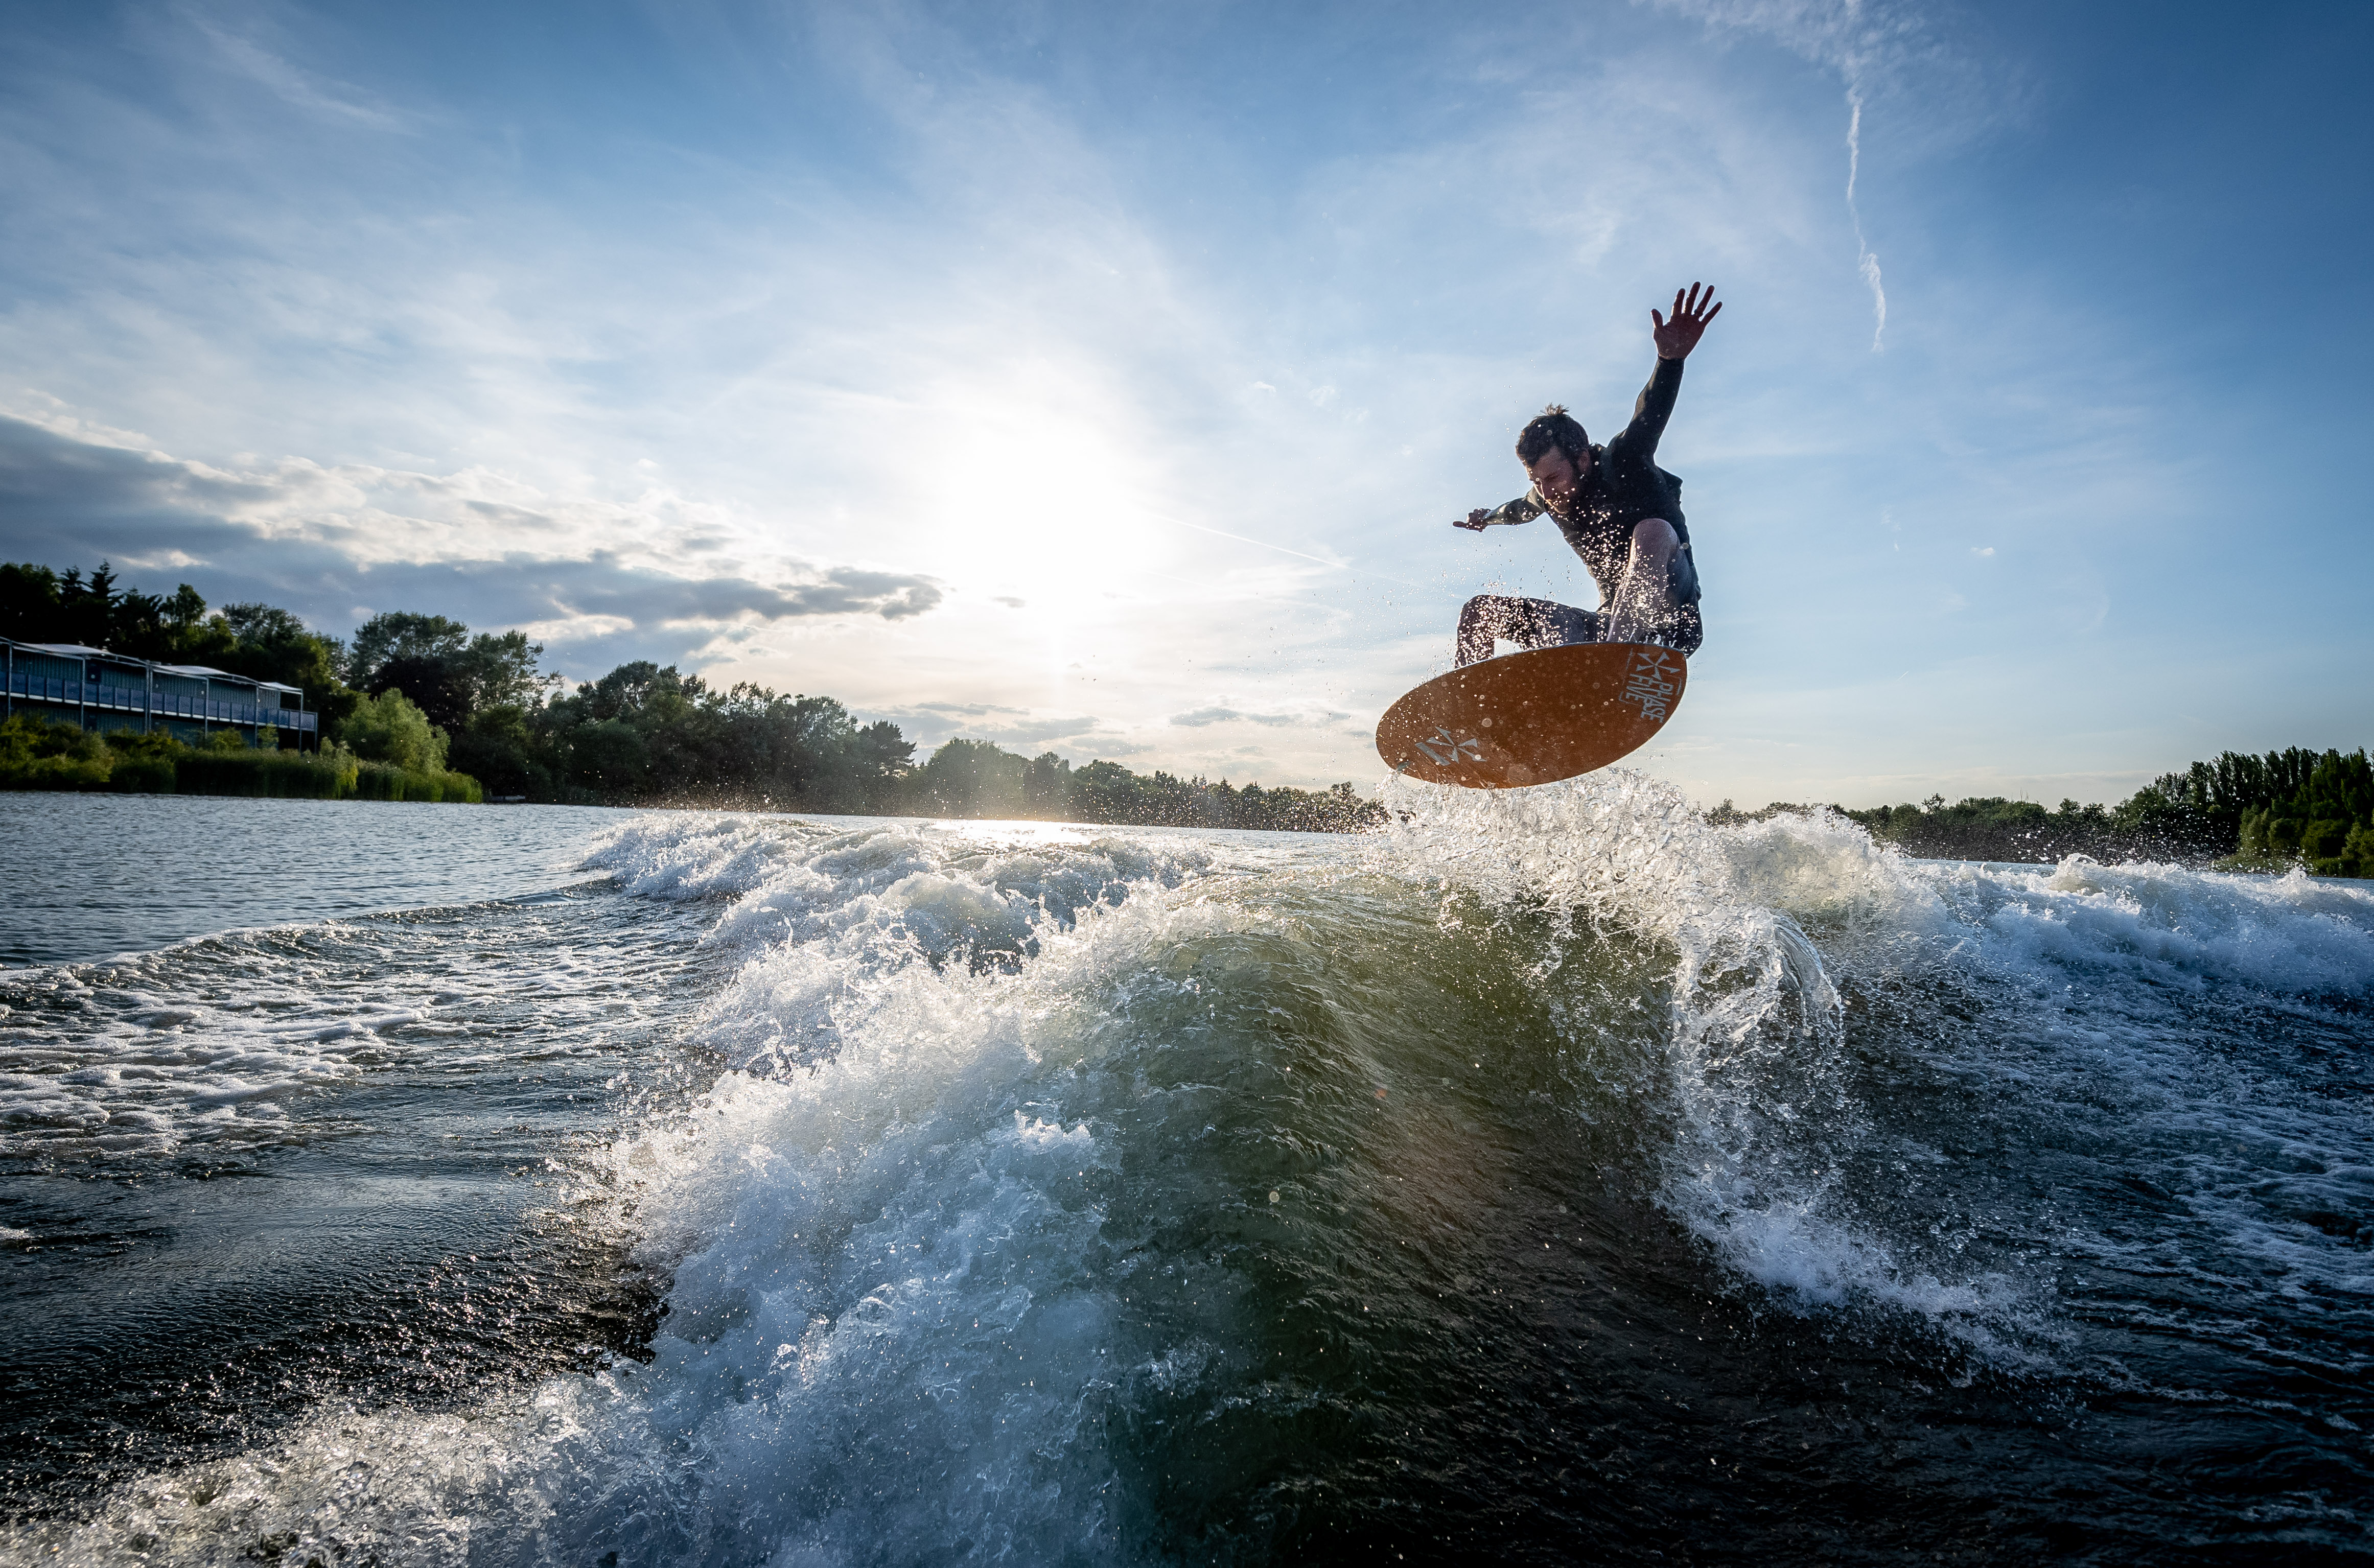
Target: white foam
<point>428,1491</point>
<point>1770,1119</point>
<point>839,913</point>
<point>119,1069</point>
<point>255,1037</point>
<point>2171,924</point>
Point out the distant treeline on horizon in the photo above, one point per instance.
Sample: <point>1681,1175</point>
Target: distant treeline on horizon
<point>2286,808</point>
<point>418,706</point>
<point>421,695</point>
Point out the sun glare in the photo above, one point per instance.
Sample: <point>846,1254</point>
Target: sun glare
<point>1042,495</point>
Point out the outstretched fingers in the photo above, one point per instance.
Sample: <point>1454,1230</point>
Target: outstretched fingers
<point>1693,307</point>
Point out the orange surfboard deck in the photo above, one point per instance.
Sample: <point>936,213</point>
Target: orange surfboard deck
<point>1535,716</point>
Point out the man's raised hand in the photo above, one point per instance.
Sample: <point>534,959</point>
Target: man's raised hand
<point>1473,519</point>
<point>1678,338</point>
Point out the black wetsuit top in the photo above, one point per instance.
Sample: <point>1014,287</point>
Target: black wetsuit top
<point>1625,486</point>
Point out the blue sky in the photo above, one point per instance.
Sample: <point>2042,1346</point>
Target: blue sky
<point>1105,377</point>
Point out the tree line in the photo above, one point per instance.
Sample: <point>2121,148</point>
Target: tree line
<point>424,695</point>
<point>647,734</point>
<point>2243,813</point>
<point>413,700</point>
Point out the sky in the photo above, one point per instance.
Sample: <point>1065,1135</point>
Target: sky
<point>1104,378</point>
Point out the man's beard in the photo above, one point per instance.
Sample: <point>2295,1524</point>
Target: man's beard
<point>1581,488</point>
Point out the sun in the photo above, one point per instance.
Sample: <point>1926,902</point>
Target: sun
<point>1041,487</point>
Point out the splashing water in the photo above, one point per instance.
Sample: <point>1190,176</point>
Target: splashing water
<point>1551,1173</point>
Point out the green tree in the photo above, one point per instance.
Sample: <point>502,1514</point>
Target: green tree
<point>90,606</point>
<point>1047,786</point>
<point>609,757</point>
<point>30,606</point>
<point>497,750</point>
<point>448,673</point>
<point>387,727</point>
<point>502,669</point>
<point>881,753</point>
<point>1106,791</point>
<point>400,633</point>
<point>974,778</point>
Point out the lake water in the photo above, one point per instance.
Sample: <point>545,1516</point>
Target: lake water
<point>1554,1177</point>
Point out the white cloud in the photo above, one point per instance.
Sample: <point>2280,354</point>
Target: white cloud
<point>314,94</point>
<point>570,569</point>
<point>1202,717</point>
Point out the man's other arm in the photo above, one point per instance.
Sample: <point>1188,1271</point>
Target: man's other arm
<point>1524,509</point>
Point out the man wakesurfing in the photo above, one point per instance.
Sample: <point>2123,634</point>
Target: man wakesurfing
<point>1620,512</point>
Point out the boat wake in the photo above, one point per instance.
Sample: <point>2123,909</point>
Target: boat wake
<point>1079,1195</point>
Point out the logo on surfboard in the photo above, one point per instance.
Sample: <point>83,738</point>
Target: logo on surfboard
<point>1650,681</point>
<point>1444,748</point>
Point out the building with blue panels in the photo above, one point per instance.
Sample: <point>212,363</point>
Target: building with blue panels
<point>68,683</point>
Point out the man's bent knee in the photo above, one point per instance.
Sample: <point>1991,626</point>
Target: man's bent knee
<point>1655,536</point>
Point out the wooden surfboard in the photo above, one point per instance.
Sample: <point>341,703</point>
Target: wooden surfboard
<point>1534,718</point>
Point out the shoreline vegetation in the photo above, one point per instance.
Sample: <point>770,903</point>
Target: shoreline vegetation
<point>419,708</point>
<point>416,707</point>
<point>37,754</point>
<point>2292,808</point>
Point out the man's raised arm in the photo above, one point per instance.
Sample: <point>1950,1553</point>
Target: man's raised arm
<point>1675,339</point>
<point>1652,408</point>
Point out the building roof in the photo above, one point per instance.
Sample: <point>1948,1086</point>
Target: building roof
<point>188,672</point>
<point>208,672</point>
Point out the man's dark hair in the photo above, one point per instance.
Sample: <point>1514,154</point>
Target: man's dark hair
<point>1552,428</point>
